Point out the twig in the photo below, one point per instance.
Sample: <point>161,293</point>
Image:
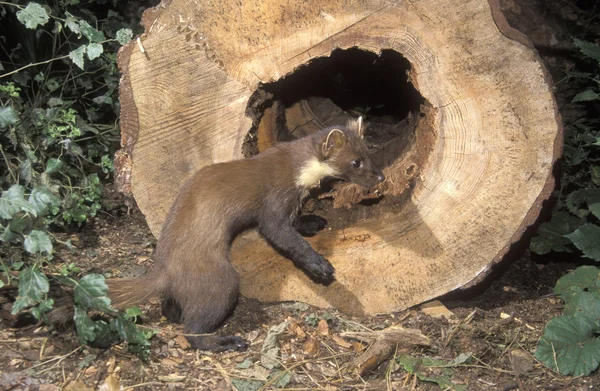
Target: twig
<point>33,65</point>
<point>12,174</point>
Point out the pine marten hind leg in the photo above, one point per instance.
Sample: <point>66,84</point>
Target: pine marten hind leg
<point>210,305</point>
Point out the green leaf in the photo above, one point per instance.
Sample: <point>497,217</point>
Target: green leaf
<point>53,165</point>
<point>8,116</point>
<point>430,370</point>
<point>124,36</point>
<point>33,287</point>
<point>587,239</point>
<point>73,23</point>
<point>568,345</point>
<point>128,331</point>
<point>584,304</point>
<point>576,199</point>
<point>595,209</point>
<point>105,336</point>
<point>25,171</point>
<point>247,384</point>
<point>77,56</point>
<point>584,278</point>
<point>92,292</point>
<point>86,328</point>
<point>42,198</point>
<point>94,50</point>
<point>20,224</point>
<point>33,15</point>
<point>37,242</point>
<point>42,308</point>
<point>133,313</point>
<point>551,235</point>
<point>12,201</point>
<point>589,49</point>
<point>90,33</point>
<point>585,96</point>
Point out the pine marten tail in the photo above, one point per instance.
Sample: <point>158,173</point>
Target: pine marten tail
<point>128,292</point>
<point>123,293</point>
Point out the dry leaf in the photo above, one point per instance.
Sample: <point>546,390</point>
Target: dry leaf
<point>311,346</point>
<point>323,327</point>
<point>77,385</point>
<point>437,310</point>
<point>111,383</point>
<point>170,362</point>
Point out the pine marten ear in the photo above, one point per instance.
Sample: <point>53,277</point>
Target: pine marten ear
<point>334,141</point>
<point>356,125</point>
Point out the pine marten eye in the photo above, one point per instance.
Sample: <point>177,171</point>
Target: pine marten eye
<point>356,163</point>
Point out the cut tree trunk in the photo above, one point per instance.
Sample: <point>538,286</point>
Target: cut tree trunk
<point>467,169</point>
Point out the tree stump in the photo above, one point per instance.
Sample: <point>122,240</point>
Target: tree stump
<point>461,116</point>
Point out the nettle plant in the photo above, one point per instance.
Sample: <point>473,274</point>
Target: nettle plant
<point>570,344</point>
<point>58,133</point>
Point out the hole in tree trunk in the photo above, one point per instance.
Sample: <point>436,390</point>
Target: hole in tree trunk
<point>328,91</point>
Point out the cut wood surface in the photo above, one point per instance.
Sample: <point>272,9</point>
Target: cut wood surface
<point>476,175</point>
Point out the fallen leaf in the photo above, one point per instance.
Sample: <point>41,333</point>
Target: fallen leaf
<point>170,362</point>
<point>323,327</point>
<point>521,361</point>
<point>111,383</point>
<point>269,349</point>
<point>311,347</point>
<point>77,385</point>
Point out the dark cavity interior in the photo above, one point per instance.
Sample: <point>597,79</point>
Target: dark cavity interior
<point>330,90</point>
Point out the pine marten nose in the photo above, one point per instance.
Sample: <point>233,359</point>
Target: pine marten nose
<point>380,177</point>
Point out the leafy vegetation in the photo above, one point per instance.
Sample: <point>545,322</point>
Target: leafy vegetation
<point>58,134</point>
<point>570,344</point>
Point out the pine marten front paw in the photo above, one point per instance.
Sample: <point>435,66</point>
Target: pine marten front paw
<point>320,269</point>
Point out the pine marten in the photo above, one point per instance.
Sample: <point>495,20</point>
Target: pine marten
<point>192,271</point>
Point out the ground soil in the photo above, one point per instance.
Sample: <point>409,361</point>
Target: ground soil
<point>489,331</point>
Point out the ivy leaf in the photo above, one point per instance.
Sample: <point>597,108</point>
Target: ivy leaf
<point>73,23</point>
<point>38,241</point>
<point>33,287</point>
<point>568,345</point>
<point>42,198</point>
<point>12,201</point>
<point>53,165</point>
<point>128,331</point>
<point>588,49</point>
<point>595,209</point>
<point>91,33</point>
<point>587,239</point>
<point>94,50</point>
<point>124,36</point>
<point>584,304</point>
<point>40,310</point>
<point>8,116</point>
<point>33,15</point>
<point>105,336</point>
<point>25,171</point>
<point>77,56</point>
<point>86,328</point>
<point>91,292</point>
<point>585,96</point>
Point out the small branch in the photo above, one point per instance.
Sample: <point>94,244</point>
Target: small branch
<point>33,65</point>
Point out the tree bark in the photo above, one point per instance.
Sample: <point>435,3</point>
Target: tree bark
<point>461,188</point>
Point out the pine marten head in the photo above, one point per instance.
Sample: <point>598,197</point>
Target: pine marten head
<point>345,152</point>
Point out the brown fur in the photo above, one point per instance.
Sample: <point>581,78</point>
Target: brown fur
<point>192,271</point>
